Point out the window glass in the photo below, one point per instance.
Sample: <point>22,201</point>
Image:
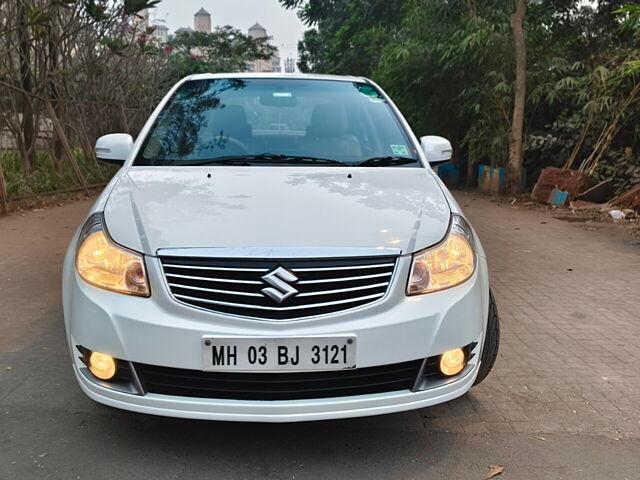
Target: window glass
<point>220,119</point>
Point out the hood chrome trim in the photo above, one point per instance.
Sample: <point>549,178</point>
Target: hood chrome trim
<point>278,252</point>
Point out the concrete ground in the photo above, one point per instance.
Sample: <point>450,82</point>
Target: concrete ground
<point>562,403</point>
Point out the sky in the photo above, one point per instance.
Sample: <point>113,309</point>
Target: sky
<point>281,24</point>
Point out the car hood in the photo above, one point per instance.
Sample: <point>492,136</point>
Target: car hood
<point>151,208</point>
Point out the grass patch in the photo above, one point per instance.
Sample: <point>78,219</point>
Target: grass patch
<point>46,178</point>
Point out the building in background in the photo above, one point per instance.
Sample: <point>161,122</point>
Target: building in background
<point>183,30</point>
<point>202,21</point>
<point>290,65</point>
<point>142,22</point>
<point>141,19</point>
<point>271,65</point>
<point>257,31</point>
<point>160,33</point>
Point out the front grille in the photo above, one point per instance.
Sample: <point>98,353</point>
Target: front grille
<point>277,386</point>
<point>235,286</point>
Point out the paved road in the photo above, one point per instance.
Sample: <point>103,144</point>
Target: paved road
<point>562,403</point>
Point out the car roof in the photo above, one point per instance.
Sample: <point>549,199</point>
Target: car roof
<point>299,76</point>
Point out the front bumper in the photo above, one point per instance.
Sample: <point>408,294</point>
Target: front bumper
<point>159,331</point>
<point>278,411</point>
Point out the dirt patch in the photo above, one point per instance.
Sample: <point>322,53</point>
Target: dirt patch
<point>598,218</point>
<point>42,202</point>
<point>571,218</point>
<point>570,181</point>
<point>630,199</point>
<point>587,215</point>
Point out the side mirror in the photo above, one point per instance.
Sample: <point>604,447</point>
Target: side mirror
<point>436,149</point>
<point>114,148</point>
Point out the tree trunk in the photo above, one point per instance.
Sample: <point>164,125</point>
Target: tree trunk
<point>4,198</point>
<point>472,170</point>
<point>26,82</point>
<point>514,166</point>
<point>52,70</point>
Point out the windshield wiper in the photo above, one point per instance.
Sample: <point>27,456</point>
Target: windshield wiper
<point>266,158</point>
<point>214,161</point>
<point>385,161</point>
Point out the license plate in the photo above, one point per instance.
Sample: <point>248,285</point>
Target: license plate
<point>288,353</point>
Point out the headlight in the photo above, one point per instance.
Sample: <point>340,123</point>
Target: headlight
<point>446,265</point>
<point>102,263</point>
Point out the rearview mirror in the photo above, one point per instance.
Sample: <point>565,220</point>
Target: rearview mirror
<point>278,99</point>
<point>436,149</point>
<point>114,148</point>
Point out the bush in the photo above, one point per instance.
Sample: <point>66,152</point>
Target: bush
<point>623,167</point>
<point>46,178</point>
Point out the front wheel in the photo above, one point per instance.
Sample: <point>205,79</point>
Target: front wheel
<point>491,341</point>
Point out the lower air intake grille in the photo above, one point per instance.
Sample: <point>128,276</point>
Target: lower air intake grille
<point>278,289</point>
<point>277,386</point>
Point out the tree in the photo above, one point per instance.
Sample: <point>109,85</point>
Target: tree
<point>81,56</point>
<point>514,165</point>
<point>41,43</point>
<point>462,69</point>
<point>311,51</point>
<point>27,139</point>
<point>226,49</point>
<point>346,36</point>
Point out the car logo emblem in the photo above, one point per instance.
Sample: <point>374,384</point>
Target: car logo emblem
<point>279,279</point>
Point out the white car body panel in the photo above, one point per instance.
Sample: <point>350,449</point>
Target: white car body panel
<point>148,209</point>
<point>278,411</point>
<point>152,208</point>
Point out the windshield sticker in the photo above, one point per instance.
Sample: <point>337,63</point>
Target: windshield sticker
<point>399,149</point>
<point>369,91</point>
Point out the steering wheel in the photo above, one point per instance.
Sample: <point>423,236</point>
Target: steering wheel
<point>222,139</point>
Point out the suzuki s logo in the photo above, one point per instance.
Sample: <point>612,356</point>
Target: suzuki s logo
<point>279,279</point>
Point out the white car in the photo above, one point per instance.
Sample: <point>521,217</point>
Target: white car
<point>277,248</point>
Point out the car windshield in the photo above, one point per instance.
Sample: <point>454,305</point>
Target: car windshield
<point>277,122</point>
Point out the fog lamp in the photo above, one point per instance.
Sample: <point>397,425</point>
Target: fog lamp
<point>452,362</point>
<point>102,366</point>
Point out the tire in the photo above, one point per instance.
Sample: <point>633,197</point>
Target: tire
<point>491,341</point>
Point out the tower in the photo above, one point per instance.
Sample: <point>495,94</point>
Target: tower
<point>261,65</point>
<point>202,21</point>
<point>289,65</point>
<point>257,31</point>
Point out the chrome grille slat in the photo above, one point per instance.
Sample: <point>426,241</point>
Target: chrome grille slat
<point>248,288</point>
<point>222,269</point>
<point>215,290</point>
<point>345,279</point>
<point>209,279</point>
<point>297,307</point>
<point>341,290</point>
<point>355,267</point>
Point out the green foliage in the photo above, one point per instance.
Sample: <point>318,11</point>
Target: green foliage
<point>96,10</point>
<point>226,49</point>
<point>101,69</point>
<point>132,7</point>
<point>116,45</point>
<point>632,21</point>
<point>622,166</point>
<point>311,50</point>
<point>100,10</point>
<point>350,35</point>
<point>450,66</point>
<point>451,58</point>
<point>46,177</point>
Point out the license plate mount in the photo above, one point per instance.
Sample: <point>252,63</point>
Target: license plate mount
<point>251,354</point>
